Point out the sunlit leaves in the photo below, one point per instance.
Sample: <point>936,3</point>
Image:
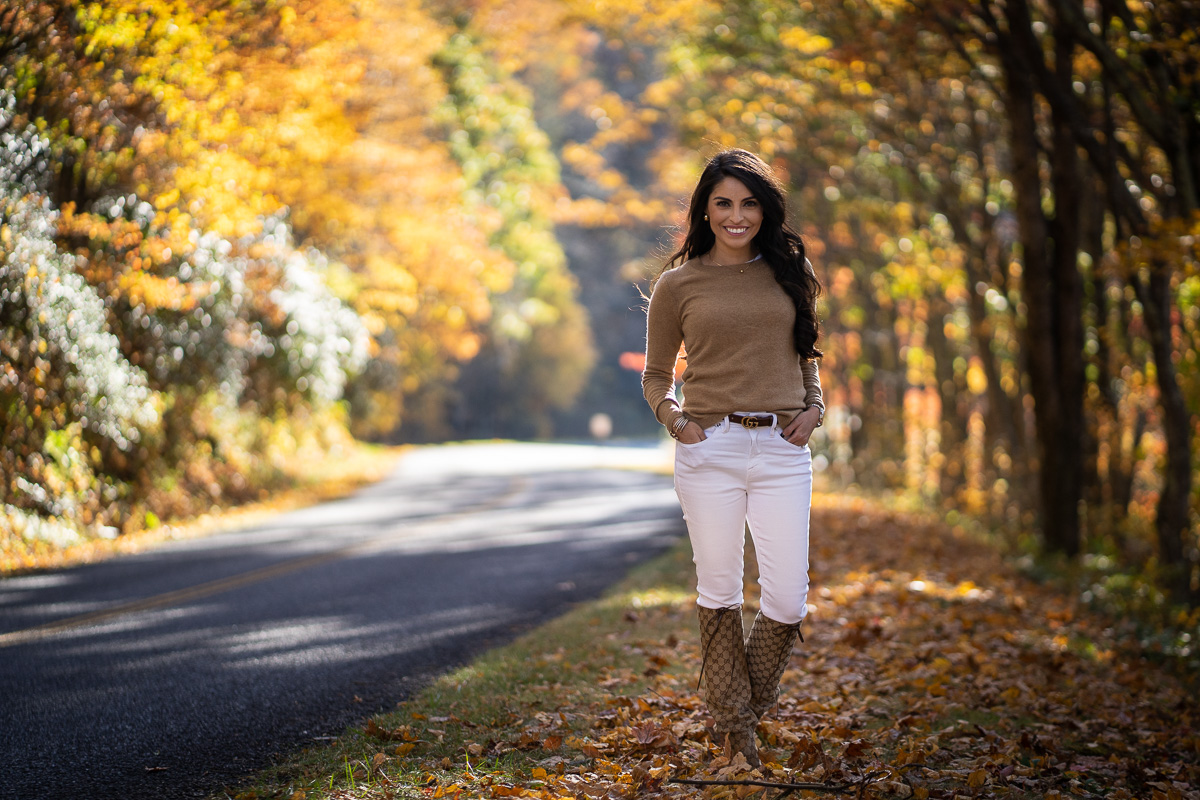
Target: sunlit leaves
<point>804,42</point>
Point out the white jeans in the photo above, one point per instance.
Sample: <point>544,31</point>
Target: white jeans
<point>747,475</point>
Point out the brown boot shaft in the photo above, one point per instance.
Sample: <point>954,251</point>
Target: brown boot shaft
<point>726,679</point>
<point>768,651</point>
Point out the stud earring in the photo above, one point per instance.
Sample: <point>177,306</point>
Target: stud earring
<point>706,217</point>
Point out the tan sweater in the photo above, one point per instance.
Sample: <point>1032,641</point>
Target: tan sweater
<point>736,323</point>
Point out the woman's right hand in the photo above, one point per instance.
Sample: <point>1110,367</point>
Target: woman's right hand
<point>692,433</point>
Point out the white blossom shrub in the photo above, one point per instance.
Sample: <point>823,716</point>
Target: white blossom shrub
<point>323,340</point>
<point>59,322</point>
<point>296,340</point>
<point>63,377</point>
<point>85,374</point>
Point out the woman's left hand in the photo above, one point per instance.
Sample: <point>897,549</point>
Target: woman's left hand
<point>800,429</point>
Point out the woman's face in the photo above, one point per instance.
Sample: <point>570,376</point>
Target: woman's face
<point>734,214</point>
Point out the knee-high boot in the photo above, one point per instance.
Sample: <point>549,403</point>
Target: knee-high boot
<point>726,679</point>
<point>768,650</point>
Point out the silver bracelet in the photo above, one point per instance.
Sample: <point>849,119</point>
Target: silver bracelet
<point>678,425</point>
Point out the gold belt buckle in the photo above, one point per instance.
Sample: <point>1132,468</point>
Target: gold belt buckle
<point>749,422</point>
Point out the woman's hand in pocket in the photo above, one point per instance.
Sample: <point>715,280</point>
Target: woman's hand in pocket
<point>800,429</point>
<point>692,434</point>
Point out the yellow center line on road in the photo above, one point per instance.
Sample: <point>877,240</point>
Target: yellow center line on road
<point>180,596</point>
<point>176,597</point>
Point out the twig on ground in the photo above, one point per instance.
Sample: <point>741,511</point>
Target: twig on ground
<point>666,700</point>
<point>790,787</point>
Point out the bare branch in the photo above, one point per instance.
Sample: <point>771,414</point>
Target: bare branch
<point>1114,67</point>
<point>811,787</point>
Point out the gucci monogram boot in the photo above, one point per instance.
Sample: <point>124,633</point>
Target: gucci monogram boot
<point>726,680</point>
<point>768,651</point>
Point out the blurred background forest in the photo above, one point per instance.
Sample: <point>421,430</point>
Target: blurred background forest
<point>238,232</point>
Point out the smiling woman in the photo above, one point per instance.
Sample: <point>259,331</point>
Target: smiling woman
<point>742,302</point>
<point>735,215</point>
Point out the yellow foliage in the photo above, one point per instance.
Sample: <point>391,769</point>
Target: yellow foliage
<point>804,42</point>
<point>156,293</point>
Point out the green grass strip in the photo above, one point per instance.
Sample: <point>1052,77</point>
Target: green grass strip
<point>508,716</point>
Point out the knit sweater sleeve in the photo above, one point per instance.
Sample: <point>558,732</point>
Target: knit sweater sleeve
<point>664,335</point>
<point>812,375</point>
<point>812,384</point>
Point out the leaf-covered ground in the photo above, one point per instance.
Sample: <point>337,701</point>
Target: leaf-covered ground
<point>931,668</point>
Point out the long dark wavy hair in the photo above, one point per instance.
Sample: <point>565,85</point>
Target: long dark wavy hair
<point>781,246</point>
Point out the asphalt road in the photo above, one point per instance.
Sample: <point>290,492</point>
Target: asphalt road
<point>179,671</point>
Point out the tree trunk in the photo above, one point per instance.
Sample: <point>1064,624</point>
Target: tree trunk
<point>953,425</point>
<point>1173,507</point>
<point>1052,294</point>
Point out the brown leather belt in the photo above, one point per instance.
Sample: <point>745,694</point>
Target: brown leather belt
<point>751,422</point>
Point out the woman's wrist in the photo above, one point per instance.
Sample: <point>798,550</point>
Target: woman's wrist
<point>676,427</point>
<point>820,413</point>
